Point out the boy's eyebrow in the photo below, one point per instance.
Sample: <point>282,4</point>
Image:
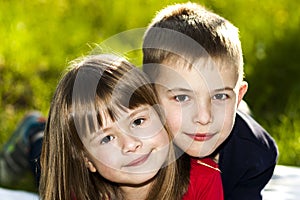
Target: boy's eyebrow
<point>189,90</point>
<point>222,89</point>
<point>179,90</point>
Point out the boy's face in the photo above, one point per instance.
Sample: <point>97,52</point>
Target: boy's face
<point>200,104</point>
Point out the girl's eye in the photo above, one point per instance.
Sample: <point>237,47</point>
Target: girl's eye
<point>107,139</point>
<point>220,97</point>
<point>181,98</point>
<point>138,122</point>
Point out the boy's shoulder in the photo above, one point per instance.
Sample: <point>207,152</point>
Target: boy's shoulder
<point>249,141</point>
<point>250,132</point>
<point>247,157</point>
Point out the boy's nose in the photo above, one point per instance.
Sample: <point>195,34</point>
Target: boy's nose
<point>202,114</point>
<point>130,144</point>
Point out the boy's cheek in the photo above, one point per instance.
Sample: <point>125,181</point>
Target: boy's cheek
<point>173,115</point>
<point>161,139</point>
<point>174,121</point>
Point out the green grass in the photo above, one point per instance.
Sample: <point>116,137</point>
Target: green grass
<point>287,135</point>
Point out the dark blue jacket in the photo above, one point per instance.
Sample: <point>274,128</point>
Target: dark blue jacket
<point>247,159</point>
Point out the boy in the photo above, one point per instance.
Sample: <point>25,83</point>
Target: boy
<point>194,57</point>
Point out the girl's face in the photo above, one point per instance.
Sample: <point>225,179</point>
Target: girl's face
<point>130,150</point>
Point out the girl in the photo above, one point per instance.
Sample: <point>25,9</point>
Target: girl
<point>105,139</point>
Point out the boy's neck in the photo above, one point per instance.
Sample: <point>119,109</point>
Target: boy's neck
<point>216,158</point>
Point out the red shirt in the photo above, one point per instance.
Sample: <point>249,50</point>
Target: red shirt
<point>205,181</point>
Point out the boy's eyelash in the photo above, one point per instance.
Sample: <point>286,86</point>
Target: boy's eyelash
<point>222,96</point>
<point>181,97</point>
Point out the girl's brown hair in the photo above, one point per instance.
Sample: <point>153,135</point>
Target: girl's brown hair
<point>97,84</point>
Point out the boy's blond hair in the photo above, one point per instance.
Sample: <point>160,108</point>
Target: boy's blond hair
<point>190,31</point>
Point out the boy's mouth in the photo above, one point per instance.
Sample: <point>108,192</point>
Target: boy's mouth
<point>201,136</point>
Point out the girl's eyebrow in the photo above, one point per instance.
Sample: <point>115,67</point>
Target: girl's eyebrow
<point>102,131</point>
<point>95,135</point>
<point>99,133</point>
<point>126,116</point>
<point>138,110</point>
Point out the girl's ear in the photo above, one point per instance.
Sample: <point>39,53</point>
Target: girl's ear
<point>89,165</point>
<point>242,91</point>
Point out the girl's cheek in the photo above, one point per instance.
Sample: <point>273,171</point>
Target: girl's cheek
<point>107,156</point>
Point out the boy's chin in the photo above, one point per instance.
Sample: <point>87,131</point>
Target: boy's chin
<point>198,152</point>
<point>198,155</point>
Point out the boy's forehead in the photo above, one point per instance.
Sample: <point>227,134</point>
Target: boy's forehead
<point>201,65</point>
<point>210,70</point>
<point>207,62</point>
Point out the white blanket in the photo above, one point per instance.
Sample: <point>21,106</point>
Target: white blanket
<point>7,194</point>
<point>284,185</point>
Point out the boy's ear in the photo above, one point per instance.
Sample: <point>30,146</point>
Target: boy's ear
<point>89,165</point>
<point>242,91</point>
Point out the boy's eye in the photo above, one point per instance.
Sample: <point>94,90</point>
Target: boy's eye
<point>107,139</point>
<point>220,97</point>
<point>181,98</point>
<point>138,122</point>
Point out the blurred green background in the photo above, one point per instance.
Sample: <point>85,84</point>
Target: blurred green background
<point>39,38</point>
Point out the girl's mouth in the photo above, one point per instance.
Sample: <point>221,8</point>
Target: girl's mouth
<point>139,161</point>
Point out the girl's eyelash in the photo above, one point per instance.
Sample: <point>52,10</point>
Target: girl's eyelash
<point>107,139</point>
<point>137,122</point>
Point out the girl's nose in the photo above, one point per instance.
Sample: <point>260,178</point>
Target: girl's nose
<point>130,144</point>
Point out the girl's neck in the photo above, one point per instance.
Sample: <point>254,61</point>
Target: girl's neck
<point>136,192</point>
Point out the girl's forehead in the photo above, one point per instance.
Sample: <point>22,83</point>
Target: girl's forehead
<point>110,115</point>
<point>120,114</point>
